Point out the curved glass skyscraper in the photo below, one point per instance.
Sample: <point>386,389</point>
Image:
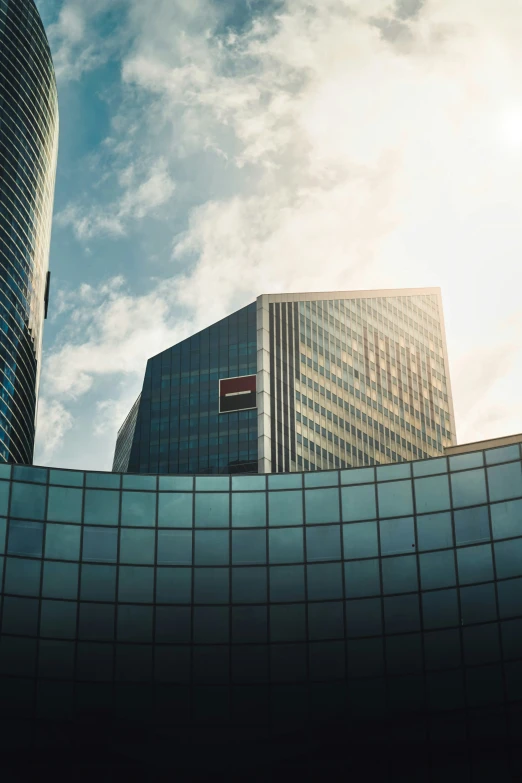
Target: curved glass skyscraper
<point>28,152</point>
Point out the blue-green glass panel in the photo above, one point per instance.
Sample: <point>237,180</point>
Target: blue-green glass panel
<point>22,577</point>
<point>437,569</point>
<point>397,536</point>
<point>173,585</point>
<point>360,540</point>
<point>103,480</point>
<point>137,546</point>
<point>285,481</point>
<point>98,583</point>
<point>505,481</point>
<point>434,531</point>
<point>321,478</point>
<point>432,494</point>
<point>100,545</point>
<point>58,619</point>
<point>474,459</point>
<point>249,509</point>
<point>358,476</point>
<point>362,578</point>
<point>399,574</point>
<point>212,509</point>
<point>60,580</point>
<point>211,586</point>
<point>325,581</point>
<point>401,613</point>
<point>3,531</point>
<point>287,623</point>
<point>135,623</point>
<point>4,496</point>
<point>287,583</point>
<point>249,585</point>
<point>28,501</point>
<point>363,618</point>
<point>20,616</point>
<point>323,543</point>
<point>212,483</point>
<point>68,478</point>
<point>478,603</point>
<point>508,558</point>
<point>285,508</point>
<point>249,547</point>
<point>429,467</point>
<point>96,622</point>
<point>175,509</point>
<point>28,473</point>
<point>506,519</point>
<point>325,621</point>
<point>481,644</point>
<point>173,624</point>
<point>211,624</point>
<point>136,584</point>
<point>404,654</point>
<point>5,471</point>
<point>249,624</point>
<point>468,488</point>
<point>322,506</point>
<point>505,454</point>
<point>176,483</point>
<point>25,538</point>
<point>359,503</point>
<point>101,507</point>
<point>510,597</point>
<point>472,525</point>
<point>139,482</point>
<point>442,649</point>
<point>394,472</point>
<point>365,658</point>
<point>475,564</point>
<point>65,504</point>
<point>286,545</point>
<point>18,658</point>
<point>395,499</point>
<point>211,547</point>
<point>440,609</point>
<point>62,542</point>
<point>174,547</point>
<point>248,483</point>
<point>511,638</point>
<point>138,509</point>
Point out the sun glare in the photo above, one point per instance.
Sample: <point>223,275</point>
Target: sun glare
<point>511,127</point>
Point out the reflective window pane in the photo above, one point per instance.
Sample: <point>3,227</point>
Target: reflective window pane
<point>464,461</point>
<point>28,501</point>
<point>287,623</point>
<point>505,454</point>
<point>472,525</point>
<point>249,547</point>
<point>175,509</point>
<point>505,481</point>
<point>432,494</point>
<point>98,583</point>
<point>249,585</point>
<point>22,577</point>
<point>322,506</point>
<point>138,509</point>
<point>211,586</point>
<point>359,503</point>
<point>362,578</point>
<point>506,519</point>
<point>434,531</point>
<point>475,564</point>
<point>25,538</point>
<point>287,583</point>
<point>249,509</point>
<point>437,569</point>
<point>325,581</point>
<point>285,508</point>
<point>510,598</point>
<point>395,499</point>
<point>323,543</point>
<point>478,603</point>
<point>58,620</point>
<point>440,609</point>
<point>60,580</point>
<point>212,547</point>
<point>468,488</point>
<point>360,540</point>
<point>137,546</point>
<point>100,545</point>
<point>174,547</point>
<point>212,509</point>
<point>363,618</point>
<point>397,536</point>
<point>136,584</point>
<point>401,613</point>
<point>399,574</point>
<point>65,504</point>
<point>62,542</point>
<point>508,558</point>
<point>286,545</point>
<point>101,507</point>
<point>173,585</point>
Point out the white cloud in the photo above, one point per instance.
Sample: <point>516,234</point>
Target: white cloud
<point>54,422</point>
<point>370,144</point>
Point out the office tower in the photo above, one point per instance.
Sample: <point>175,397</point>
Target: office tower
<point>28,152</point>
<point>298,382</point>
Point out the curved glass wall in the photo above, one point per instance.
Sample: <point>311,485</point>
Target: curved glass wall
<point>375,607</point>
<point>28,151</point>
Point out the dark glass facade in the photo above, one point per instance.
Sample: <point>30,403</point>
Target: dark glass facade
<point>297,622</point>
<point>28,150</point>
<point>178,427</point>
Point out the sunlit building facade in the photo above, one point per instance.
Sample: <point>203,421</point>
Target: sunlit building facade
<point>28,152</point>
<point>328,380</point>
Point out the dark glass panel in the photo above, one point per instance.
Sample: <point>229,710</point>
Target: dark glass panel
<point>58,619</point>
<point>60,580</point>
<point>472,525</point>
<point>102,507</point>
<point>100,545</point>
<point>137,546</point>
<point>325,581</point>
<point>173,585</point>
<point>62,542</point>
<point>65,505</point>
<point>175,510</point>
<point>399,574</point>
<point>98,583</point>
<point>136,584</point>
<point>286,545</point>
<point>138,509</point>
<point>287,622</point>
<point>362,578</point>
<point>249,547</point>
<point>440,609</point>
<point>28,501</point>
<point>211,586</point>
<point>434,531</point>
<point>475,564</point>
<point>286,508</point>
<point>96,622</point>
<point>397,536</point>
<point>249,585</point>
<point>25,538</point>
<point>249,509</point>
<point>174,547</point>
<point>437,569</point>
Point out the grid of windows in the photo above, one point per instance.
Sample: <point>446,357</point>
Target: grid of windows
<point>179,428</point>
<point>400,580</point>
<point>28,151</point>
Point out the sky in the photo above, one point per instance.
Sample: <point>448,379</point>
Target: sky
<point>214,150</point>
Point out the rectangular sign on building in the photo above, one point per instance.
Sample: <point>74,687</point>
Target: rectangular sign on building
<point>237,394</point>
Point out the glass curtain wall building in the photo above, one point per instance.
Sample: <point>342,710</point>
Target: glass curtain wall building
<point>342,379</point>
<point>28,152</point>
<point>339,617</point>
